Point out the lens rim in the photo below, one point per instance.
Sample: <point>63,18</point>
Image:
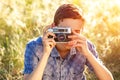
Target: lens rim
<point>61,37</point>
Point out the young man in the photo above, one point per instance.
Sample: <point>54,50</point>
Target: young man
<point>47,60</point>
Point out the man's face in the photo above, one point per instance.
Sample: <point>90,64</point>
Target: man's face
<point>74,24</point>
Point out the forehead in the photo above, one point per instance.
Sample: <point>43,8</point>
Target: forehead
<point>75,24</point>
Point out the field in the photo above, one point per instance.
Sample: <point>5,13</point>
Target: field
<point>23,20</point>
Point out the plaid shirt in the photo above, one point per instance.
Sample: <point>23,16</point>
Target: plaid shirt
<point>70,68</point>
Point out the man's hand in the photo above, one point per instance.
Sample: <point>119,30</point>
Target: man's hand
<point>80,43</point>
<point>48,43</point>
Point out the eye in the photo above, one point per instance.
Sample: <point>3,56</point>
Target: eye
<point>77,31</point>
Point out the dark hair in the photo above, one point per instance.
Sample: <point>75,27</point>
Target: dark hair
<point>68,11</point>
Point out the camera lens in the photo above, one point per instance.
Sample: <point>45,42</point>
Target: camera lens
<point>61,37</point>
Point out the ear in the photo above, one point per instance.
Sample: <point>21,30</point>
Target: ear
<point>82,29</point>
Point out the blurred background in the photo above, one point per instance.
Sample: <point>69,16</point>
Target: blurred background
<point>23,20</point>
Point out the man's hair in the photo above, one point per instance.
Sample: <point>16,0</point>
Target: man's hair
<point>68,11</point>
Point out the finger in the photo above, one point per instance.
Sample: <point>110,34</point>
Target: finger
<point>76,42</point>
<point>73,37</point>
<point>50,42</point>
<point>72,42</point>
<point>81,41</point>
<point>76,37</point>
<point>47,34</point>
<point>79,47</point>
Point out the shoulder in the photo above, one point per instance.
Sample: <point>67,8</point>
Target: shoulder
<point>90,44</point>
<point>33,52</point>
<point>92,48</point>
<point>32,46</point>
<point>35,41</point>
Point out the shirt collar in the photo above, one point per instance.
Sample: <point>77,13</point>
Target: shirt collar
<point>73,52</point>
<point>55,53</point>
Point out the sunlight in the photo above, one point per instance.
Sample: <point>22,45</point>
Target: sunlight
<point>22,20</point>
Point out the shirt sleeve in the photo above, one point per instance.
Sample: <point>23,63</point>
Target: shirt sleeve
<point>95,53</point>
<point>28,59</point>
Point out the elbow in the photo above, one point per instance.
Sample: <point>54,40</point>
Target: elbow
<point>107,77</point>
<point>110,77</point>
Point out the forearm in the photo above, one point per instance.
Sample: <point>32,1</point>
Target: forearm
<point>101,71</point>
<point>38,72</point>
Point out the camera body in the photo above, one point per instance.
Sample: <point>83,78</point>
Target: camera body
<point>61,33</point>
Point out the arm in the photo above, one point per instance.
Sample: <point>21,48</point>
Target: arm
<point>100,70</point>
<point>38,72</point>
<point>81,44</point>
<point>48,44</point>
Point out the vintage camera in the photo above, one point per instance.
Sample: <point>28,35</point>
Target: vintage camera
<point>61,33</point>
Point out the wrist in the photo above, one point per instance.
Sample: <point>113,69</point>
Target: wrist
<point>46,52</point>
<point>88,54</point>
